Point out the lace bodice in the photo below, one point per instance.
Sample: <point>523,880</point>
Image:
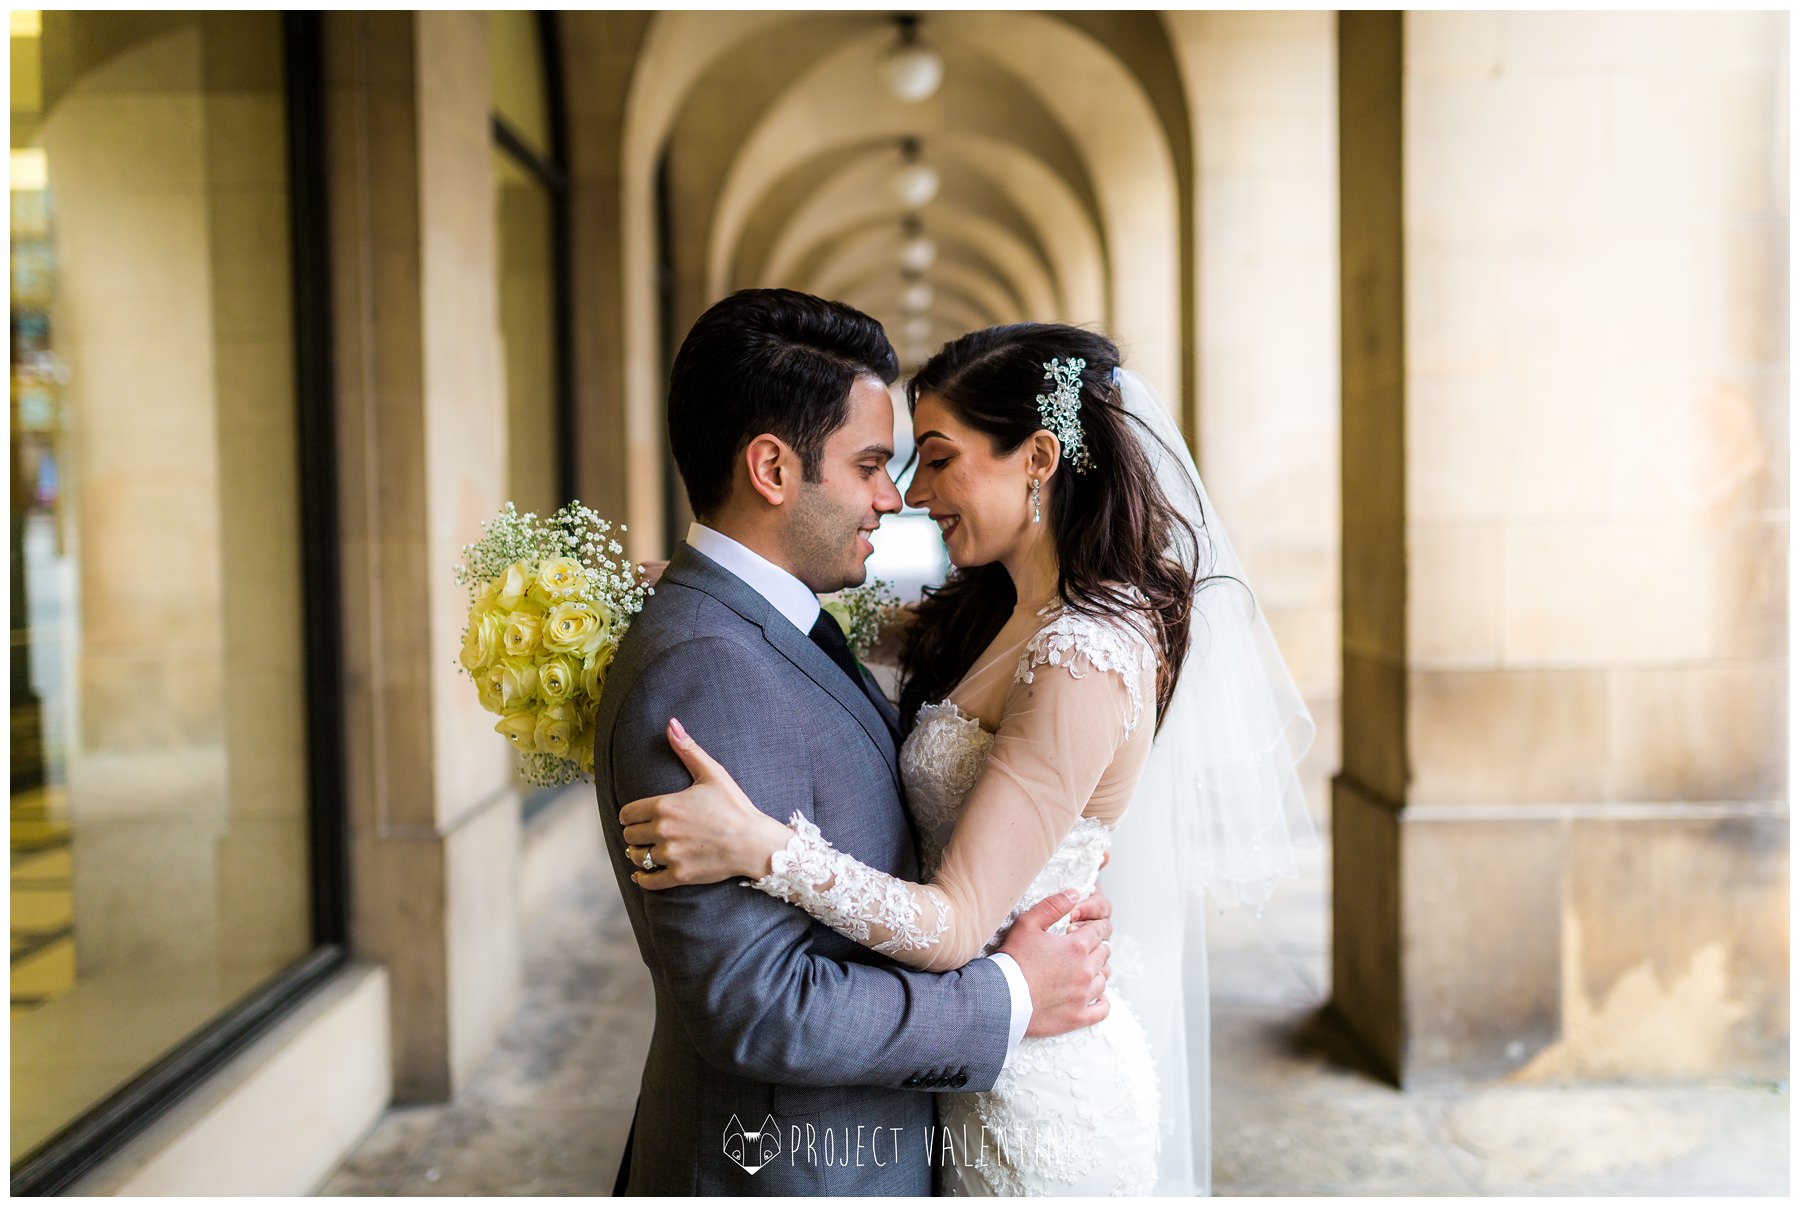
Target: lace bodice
<point>940,761</point>
<point>1004,818</point>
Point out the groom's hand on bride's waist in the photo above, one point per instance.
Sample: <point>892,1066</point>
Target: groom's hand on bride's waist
<point>1066,973</point>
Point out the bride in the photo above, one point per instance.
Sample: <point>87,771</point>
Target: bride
<point>1092,682</point>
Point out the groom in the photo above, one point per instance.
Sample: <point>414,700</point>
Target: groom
<point>787,1059</point>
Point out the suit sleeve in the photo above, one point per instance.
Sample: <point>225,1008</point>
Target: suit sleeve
<point>752,990</point>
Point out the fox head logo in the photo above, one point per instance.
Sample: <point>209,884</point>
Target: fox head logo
<point>752,1150</point>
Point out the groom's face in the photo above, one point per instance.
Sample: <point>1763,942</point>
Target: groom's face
<point>831,522</point>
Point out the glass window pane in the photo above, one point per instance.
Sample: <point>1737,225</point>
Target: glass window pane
<point>159,781</point>
<point>517,65</point>
<point>527,335</point>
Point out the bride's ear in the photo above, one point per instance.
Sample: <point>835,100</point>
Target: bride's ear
<point>1043,456</point>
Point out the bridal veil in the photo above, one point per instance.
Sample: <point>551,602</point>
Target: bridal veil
<point>1219,812</point>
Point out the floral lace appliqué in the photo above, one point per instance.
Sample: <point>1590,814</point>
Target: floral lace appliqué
<point>846,895</point>
<point>940,762</point>
<point>1106,645</point>
<point>1070,1114</point>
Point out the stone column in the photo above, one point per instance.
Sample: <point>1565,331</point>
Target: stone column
<point>1560,832</point>
<point>599,50</point>
<point>434,818</point>
<point>1261,91</point>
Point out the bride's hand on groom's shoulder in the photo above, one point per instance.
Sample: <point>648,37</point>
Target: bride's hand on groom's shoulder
<point>703,834</point>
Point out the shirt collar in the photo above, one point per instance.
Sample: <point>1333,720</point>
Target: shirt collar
<point>785,593</point>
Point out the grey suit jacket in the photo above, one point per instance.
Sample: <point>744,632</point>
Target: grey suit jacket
<point>761,1014</point>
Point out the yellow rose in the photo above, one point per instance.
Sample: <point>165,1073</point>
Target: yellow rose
<point>840,612</point>
<point>512,583</point>
<point>489,694</point>
<point>487,598</point>
<point>523,628</point>
<point>593,672</point>
<point>557,679</point>
<point>482,641</point>
<point>514,683</point>
<point>557,579</point>
<point>520,729</point>
<point>555,732</point>
<point>574,628</point>
<point>584,751</point>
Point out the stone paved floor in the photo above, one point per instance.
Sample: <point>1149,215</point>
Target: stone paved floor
<point>1292,1112</point>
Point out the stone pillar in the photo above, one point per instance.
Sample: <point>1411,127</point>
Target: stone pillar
<point>1560,832</point>
<point>434,817</point>
<point>1261,90</point>
<point>599,50</point>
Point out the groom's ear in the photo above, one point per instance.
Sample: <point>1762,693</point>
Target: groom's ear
<point>774,469</point>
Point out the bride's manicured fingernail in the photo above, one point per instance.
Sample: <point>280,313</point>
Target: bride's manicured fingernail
<point>680,733</point>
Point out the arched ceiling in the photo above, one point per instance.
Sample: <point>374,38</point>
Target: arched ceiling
<point>760,149</point>
<point>982,244</point>
<point>874,250</point>
<point>800,212</point>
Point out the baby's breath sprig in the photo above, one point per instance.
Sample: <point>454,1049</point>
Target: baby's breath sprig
<point>574,531</point>
<point>860,612</point>
<point>507,538</point>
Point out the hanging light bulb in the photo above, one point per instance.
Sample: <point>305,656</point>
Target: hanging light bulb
<point>915,184</point>
<point>911,70</point>
<point>918,251</point>
<point>918,329</point>
<point>917,298</point>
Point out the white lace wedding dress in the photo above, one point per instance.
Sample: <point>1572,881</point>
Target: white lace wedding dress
<point>1069,1114</point>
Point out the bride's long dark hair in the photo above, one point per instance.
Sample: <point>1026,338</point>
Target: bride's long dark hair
<point>1115,529</point>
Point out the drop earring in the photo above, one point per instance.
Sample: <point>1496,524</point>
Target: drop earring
<point>1037,514</point>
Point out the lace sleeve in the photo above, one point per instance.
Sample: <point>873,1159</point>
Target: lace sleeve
<point>882,912</point>
<point>1058,738</point>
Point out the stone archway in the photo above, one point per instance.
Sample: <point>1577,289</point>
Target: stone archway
<point>1066,195</point>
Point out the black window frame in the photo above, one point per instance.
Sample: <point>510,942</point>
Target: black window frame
<point>89,1139</point>
<point>551,171</point>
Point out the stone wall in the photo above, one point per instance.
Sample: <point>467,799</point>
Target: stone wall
<point>434,816</point>
<point>1566,522</point>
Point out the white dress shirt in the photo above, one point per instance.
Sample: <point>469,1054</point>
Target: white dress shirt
<point>795,600</point>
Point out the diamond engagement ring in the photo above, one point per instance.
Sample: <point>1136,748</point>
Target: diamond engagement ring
<point>648,862</point>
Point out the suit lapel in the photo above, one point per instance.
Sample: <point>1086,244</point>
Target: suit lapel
<point>691,568</point>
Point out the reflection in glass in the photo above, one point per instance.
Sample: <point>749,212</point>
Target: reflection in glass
<point>159,786</point>
<point>523,255</point>
<point>515,55</point>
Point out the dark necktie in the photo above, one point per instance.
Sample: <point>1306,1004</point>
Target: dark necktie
<point>828,636</point>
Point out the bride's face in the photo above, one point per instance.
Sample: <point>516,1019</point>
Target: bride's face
<point>980,499</point>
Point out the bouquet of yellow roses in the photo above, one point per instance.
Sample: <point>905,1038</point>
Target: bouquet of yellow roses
<point>549,600</point>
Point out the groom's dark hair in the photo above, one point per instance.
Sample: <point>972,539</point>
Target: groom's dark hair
<point>767,360</point>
